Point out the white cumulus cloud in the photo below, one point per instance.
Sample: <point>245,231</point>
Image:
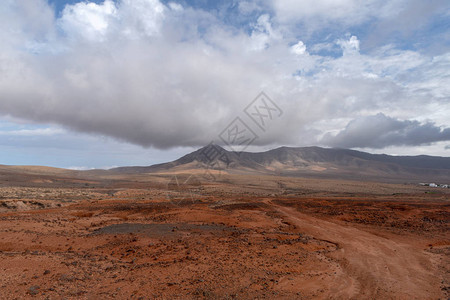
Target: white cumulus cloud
<point>299,48</point>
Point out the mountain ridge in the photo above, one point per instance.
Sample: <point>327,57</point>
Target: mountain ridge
<point>306,161</point>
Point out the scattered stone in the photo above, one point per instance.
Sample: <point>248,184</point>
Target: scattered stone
<point>34,290</point>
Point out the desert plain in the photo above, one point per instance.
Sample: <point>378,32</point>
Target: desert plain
<point>94,235</point>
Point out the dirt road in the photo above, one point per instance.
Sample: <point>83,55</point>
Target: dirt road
<point>373,266</point>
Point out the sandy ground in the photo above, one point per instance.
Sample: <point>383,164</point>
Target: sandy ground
<point>239,238</point>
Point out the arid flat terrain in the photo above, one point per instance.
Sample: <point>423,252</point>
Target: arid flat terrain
<point>64,235</point>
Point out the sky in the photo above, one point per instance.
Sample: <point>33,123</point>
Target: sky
<point>99,84</point>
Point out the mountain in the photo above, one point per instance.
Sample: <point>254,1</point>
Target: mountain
<point>38,175</point>
<point>308,161</point>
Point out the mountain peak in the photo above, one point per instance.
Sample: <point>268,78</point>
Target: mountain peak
<point>212,147</point>
<point>207,155</point>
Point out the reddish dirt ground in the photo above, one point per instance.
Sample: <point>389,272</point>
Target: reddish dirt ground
<point>241,238</point>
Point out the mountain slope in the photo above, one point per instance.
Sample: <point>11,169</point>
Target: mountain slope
<point>308,161</point>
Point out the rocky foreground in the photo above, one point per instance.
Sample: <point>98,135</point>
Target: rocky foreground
<point>240,237</point>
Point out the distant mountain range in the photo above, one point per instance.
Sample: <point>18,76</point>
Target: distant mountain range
<point>308,162</point>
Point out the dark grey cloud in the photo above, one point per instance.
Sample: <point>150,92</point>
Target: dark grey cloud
<point>379,131</point>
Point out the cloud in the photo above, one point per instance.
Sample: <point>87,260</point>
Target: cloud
<point>31,144</point>
<point>132,19</point>
<point>350,46</point>
<point>299,48</point>
<point>409,21</point>
<point>248,7</point>
<point>163,76</point>
<point>87,19</point>
<point>400,15</point>
<point>348,12</point>
<point>32,132</point>
<point>410,24</point>
<point>380,131</point>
